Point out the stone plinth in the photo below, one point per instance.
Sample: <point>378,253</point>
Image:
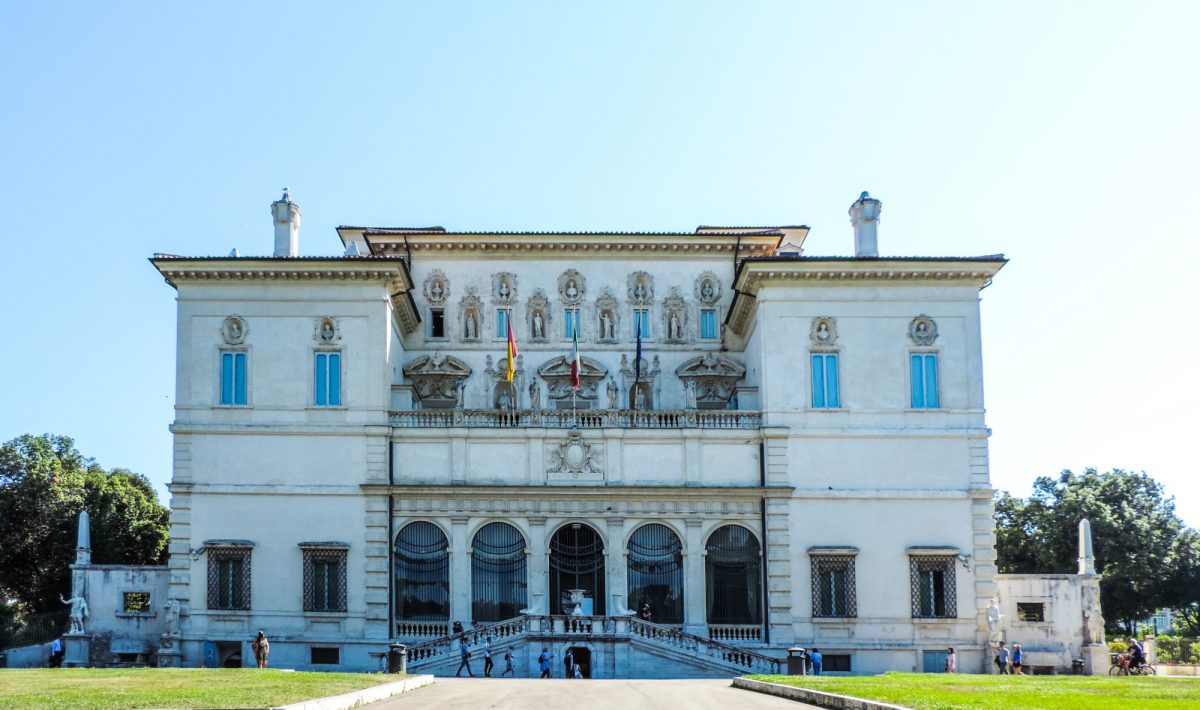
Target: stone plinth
<point>78,652</point>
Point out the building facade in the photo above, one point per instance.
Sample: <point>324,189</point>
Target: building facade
<point>710,447</point>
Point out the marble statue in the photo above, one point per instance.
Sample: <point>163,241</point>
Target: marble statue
<point>435,290</point>
<point>675,327</point>
<point>171,616</point>
<point>993,619</point>
<point>612,394</point>
<point>1093,622</point>
<point>535,396</point>
<point>79,612</point>
<point>606,325</point>
<point>472,329</point>
<point>539,325</point>
<point>689,394</point>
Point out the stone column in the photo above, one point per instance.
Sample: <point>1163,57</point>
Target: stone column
<point>616,562</point>
<point>460,571</point>
<point>695,619</point>
<point>539,566</point>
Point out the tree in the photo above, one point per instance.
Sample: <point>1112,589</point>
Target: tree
<point>1142,547</point>
<point>44,484</point>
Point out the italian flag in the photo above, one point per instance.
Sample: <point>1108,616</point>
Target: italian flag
<point>512,353</point>
<point>575,367</point>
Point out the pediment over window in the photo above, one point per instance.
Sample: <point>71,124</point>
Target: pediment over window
<point>557,374</point>
<point>438,380</point>
<point>713,377</point>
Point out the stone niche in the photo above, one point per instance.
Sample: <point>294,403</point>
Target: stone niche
<point>438,380</point>
<point>710,379</point>
<point>557,374</point>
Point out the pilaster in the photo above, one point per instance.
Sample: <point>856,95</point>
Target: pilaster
<point>460,570</point>
<point>695,619</point>
<point>376,571</point>
<point>779,598</point>
<point>616,565</point>
<point>539,565</point>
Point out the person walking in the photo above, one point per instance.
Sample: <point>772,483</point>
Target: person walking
<point>487,657</point>
<point>951,662</point>
<point>577,672</point>
<point>544,662</point>
<point>569,662</point>
<point>508,664</point>
<point>816,659</point>
<point>1002,659</point>
<point>56,653</point>
<point>1017,659</point>
<point>464,651</point>
<point>261,648</point>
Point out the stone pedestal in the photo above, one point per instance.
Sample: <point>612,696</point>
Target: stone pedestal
<point>169,653</point>
<point>78,651</point>
<point>1096,659</point>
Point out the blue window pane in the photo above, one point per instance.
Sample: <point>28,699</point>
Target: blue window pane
<point>335,380</point>
<point>226,378</point>
<point>931,385</point>
<point>239,378</point>
<point>320,380</point>
<point>569,322</point>
<point>918,382</point>
<point>501,323</point>
<point>642,319</point>
<point>831,381</point>
<point>708,324</point>
<point>818,382</point>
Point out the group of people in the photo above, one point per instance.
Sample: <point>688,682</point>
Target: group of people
<point>1010,662</point>
<point>571,669</point>
<point>485,648</point>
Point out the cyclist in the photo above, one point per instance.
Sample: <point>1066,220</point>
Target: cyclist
<point>1137,655</point>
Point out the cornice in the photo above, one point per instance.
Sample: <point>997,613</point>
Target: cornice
<point>391,272</point>
<point>753,275</point>
<point>544,245</point>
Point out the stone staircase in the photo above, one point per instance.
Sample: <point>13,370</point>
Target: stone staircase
<point>683,653</point>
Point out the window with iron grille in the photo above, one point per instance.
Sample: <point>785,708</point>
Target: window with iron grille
<point>324,580</point>
<point>833,586</point>
<point>229,578</point>
<point>1031,611</point>
<point>933,587</point>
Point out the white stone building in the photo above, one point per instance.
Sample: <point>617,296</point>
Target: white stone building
<point>799,456</point>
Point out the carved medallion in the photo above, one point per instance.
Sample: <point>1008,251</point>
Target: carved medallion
<point>437,288</point>
<point>572,288</point>
<point>234,330</point>
<point>708,288</point>
<point>823,332</point>
<point>504,289</point>
<point>922,330</point>
<point>327,331</point>
<point>641,288</point>
<point>575,458</point>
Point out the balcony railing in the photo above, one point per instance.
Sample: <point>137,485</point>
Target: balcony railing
<point>582,419</point>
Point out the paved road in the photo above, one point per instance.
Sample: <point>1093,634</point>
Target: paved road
<point>560,694</point>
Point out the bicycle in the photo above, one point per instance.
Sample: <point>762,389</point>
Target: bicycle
<point>1121,666</point>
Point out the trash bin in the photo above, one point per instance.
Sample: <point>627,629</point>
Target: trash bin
<point>797,661</point>
<point>397,658</point>
<point>1077,666</point>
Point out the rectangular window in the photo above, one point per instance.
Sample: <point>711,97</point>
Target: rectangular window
<point>327,380</point>
<point>835,663</point>
<point>1031,611</point>
<point>229,578</point>
<point>437,323</point>
<point>324,656</point>
<point>641,316</point>
<point>233,378</point>
<point>933,587</point>
<point>833,586</point>
<point>324,580</point>
<point>825,381</point>
<point>708,323</point>
<point>502,315</point>
<point>136,602</point>
<point>570,322</point>
<point>924,381</point>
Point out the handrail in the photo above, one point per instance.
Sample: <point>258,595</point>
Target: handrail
<point>698,644</point>
<point>585,419</point>
<point>441,646</point>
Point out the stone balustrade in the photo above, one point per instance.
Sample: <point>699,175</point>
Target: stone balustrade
<point>582,419</point>
<point>735,633</point>
<point>753,662</point>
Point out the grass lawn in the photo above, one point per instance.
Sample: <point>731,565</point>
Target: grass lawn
<point>942,691</point>
<point>119,689</point>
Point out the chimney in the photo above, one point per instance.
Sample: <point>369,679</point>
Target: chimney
<point>864,215</point>
<point>287,225</point>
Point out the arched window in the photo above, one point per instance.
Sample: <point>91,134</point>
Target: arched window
<point>576,563</point>
<point>498,574</point>
<point>656,573</point>
<point>422,573</point>
<point>733,578</point>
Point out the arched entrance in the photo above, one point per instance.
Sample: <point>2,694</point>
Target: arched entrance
<point>422,556</point>
<point>498,588</point>
<point>576,563</point>
<point>656,573</point>
<point>733,577</point>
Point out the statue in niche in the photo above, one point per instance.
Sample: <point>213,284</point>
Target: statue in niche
<point>675,327</point>
<point>79,612</point>
<point>235,330</point>
<point>327,331</point>
<point>707,292</point>
<point>458,393</point>
<point>535,396</point>
<point>639,399</point>
<point>572,289</point>
<point>435,290</point>
<point>505,290</point>
<point>471,330</point>
<point>823,334</point>
<point>612,393</point>
<point>539,325</point>
<point>689,395</point>
<point>606,325</point>
<point>639,291</point>
<point>504,401</point>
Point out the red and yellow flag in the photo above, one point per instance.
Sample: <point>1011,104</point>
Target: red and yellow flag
<point>512,354</point>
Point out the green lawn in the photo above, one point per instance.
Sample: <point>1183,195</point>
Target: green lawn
<point>119,689</point>
<point>986,692</point>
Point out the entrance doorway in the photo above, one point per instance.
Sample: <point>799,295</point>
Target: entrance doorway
<point>583,658</point>
<point>577,568</point>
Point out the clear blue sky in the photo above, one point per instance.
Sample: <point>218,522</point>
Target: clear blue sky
<point>1062,134</point>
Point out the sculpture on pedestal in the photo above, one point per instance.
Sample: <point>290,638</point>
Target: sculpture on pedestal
<point>79,612</point>
<point>993,620</point>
